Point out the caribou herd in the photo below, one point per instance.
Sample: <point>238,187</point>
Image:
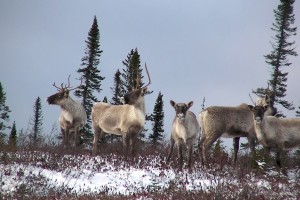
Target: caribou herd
<point>256,123</point>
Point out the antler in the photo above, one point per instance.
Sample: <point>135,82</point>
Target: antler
<point>58,88</point>
<point>252,100</point>
<point>148,76</point>
<point>138,78</point>
<point>269,92</point>
<point>81,79</point>
<point>67,87</point>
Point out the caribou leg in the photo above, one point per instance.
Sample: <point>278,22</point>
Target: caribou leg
<point>278,158</point>
<point>189,153</point>
<point>98,134</point>
<point>125,138</point>
<point>67,138</point>
<point>95,143</point>
<point>206,146</point>
<point>179,148</point>
<point>251,141</point>
<point>171,149</point>
<point>133,133</point>
<point>62,136</point>
<point>200,147</point>
<point>77,137</point>
<point>236,145</point>
<point>132,143</point>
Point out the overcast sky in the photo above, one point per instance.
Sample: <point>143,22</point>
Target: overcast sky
<point>193,49</point>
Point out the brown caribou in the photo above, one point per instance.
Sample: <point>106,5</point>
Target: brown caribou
<point>274,133</point>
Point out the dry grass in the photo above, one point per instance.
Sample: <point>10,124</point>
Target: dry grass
<point>240,182</point>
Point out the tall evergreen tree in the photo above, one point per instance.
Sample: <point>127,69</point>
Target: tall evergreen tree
<point>132,75</point>
<point>158,120</point>
<point>91,75</point>
<point>131,71</point>
<point>117,89</point>
<point>284,19</point>
<point>4,115</point>
<point>12,140</point>
<point>36,121</point>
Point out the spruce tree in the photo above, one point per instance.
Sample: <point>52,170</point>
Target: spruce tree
<point>12,140</point>
<point>157,119</point>
<point>118,89</point>
<point>131,72</point>
<point>132,75</point>
<point>36,121</point>
<point>91,75</point>
<point>277,59</point>
<point>4,115</point>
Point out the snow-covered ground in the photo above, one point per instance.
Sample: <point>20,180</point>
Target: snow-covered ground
<point>112,175</point>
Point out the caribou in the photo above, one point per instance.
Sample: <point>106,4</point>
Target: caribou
<point>126,120</point>
<point>274,133</point>
<point>228,122</point>
<point>73,115</point>
<point>185,128</point>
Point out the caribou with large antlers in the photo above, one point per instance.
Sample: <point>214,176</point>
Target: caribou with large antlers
<point>126,120</point>
<point>73,115</point>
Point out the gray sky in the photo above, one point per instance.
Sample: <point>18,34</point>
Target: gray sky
<point>193,49</point>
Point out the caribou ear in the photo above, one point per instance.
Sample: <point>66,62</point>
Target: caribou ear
<point>172,103</point>
<point>66,93</point>
<point>190,104</point>
<point>266,97</point>
<point>144,90</point>
<point>251,107</point>
<point>266,107</point>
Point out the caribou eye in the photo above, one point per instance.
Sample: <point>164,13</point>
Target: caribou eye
<point>136,94</point>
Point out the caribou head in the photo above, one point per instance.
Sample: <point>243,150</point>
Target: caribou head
<point>181,109</point>
<point>63,92</point>
<point>258,112</point>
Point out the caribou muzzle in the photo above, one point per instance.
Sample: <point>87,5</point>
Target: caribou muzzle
<point>51,99</point>
<point>258,119</point>
<point>180,116</point>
